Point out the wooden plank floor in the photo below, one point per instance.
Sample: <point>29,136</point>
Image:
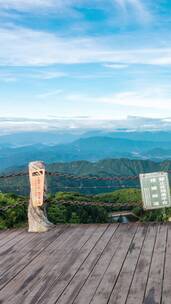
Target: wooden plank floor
<point>83,264</point>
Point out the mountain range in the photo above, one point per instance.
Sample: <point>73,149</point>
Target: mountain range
<point>103,168</point>
<point>21,148</point>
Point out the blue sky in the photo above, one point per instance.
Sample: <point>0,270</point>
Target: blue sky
<point>104,59</point>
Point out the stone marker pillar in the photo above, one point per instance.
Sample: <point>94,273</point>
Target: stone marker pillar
<point>37,218</point>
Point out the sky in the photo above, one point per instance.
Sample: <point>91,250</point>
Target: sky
<point>100,59</point>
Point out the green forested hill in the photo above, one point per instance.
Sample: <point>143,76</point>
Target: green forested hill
<point>103,168</point>
<point>110,167</point>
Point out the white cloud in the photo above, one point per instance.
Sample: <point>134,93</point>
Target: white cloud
<point>127,6</point>
<point>21,46</point>
<point>57,7</point>
<point>80,124</point>
<point>26,5</point>
<point>148,99</point>
<point>135,7</point>
<point>25,47</point>
<point>45,95</point>
<point>139,100</point>
<point>46,75</point>
<point>13,76</point>
<point>7,77</point>
<point>116,66</point>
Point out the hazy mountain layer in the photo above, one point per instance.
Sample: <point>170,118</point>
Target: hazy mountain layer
<point>87,148</point>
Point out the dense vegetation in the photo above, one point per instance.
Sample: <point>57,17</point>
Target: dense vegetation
<point>16,214</point>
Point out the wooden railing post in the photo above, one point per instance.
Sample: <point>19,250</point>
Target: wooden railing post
<point>37,218</point>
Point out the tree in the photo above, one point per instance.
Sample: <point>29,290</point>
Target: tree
<point>74,218</point>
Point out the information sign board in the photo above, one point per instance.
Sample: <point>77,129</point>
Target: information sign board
<point>155,190</point>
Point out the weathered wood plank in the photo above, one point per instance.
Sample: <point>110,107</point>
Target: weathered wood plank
<point>83,264</point>
<point>13,235</point>
<point>109,279</point>
<point>22,249</point>
<point>4,233</point>
<point>79,279</point>
<point>61,260</point>
<point>14,241</point>
<point>13,251</point>
<point>57,284</point>
<point>137,289</point>
<point>155,280</point>
<point>166,292</point>
<point>58,256</point>
<point>26,281</point>
<point>93,281</point>
<point>30,252</point>
<point>120,291</point>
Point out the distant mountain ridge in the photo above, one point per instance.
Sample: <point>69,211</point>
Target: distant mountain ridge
<point>88,148</point>
<point>66,146</point>
<point>27,138</point>
<point>110,167</point>
<point>21,139</point>
<point>102,168</point>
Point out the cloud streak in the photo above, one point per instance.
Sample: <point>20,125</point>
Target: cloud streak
<point>23,5</point>
<point>81,124</point>
<point>116,66</point>
<point>26,47</point>
<point>125,11</point>
<point>136,7</point>
<point>147,99</point>
<point>49,94</point>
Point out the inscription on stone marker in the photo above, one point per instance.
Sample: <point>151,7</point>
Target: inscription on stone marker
<point>37,181</point>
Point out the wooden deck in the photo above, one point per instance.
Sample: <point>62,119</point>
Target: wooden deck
<point>82,264</point>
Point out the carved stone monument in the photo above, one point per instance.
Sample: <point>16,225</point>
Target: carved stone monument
<point>37,217</point>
